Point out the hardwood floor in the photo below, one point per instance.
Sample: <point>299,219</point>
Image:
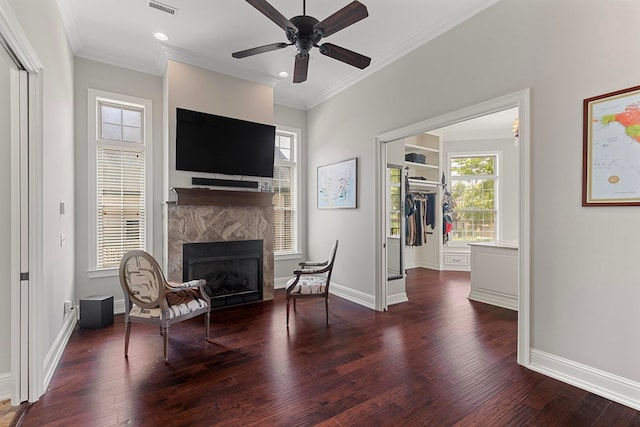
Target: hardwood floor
<point>437,360</point>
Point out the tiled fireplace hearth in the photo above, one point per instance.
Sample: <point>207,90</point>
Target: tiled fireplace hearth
<point>206,216</point>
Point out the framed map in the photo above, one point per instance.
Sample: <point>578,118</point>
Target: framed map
<point>337,185</point>
<point>611,151</point>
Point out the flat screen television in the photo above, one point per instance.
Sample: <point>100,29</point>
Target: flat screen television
<point>216,144</point>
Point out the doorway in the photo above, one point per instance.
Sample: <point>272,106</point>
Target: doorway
<point>518,100</point>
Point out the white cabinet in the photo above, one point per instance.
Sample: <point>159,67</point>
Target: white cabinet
<point>494,274</point>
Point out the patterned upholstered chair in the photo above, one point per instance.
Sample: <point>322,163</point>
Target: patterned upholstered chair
<point>312,281</point>
<point>150,299</point>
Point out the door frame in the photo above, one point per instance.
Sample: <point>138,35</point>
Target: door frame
<point>521,100</point>
<point>26,189</point>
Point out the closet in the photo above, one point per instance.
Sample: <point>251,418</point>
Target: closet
<point>423,201</point>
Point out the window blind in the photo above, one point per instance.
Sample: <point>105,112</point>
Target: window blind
<point>285,199</point>
<point>284,208</point>
<point>120,204</point>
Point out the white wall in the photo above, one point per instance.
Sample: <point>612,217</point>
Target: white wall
<point>584,277</point>
<point>96,75</point>
<point>43,27</point>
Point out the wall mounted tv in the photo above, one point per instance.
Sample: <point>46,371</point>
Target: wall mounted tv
<point>216,144</point>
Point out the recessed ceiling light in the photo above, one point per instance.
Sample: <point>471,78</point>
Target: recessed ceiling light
<point>161,36</point>
<point>283,74</point>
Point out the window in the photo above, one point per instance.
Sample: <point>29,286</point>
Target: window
<point>120,170</point>
<point>474,182</point>
<point>285,184</point>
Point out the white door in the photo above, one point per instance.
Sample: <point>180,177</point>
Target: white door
<point>14,222</point>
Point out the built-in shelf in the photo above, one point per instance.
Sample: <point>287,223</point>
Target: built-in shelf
<point>422,165</point>
<point>420,147</point>
<point>422,182</point>
<point>208,197</point>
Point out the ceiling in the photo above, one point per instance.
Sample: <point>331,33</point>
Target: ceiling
<point>205,33</point>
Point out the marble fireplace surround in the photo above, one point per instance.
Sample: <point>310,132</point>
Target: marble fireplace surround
<point>204,215</point>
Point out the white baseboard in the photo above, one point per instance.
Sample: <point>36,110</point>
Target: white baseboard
<point>6,386</point>
<point>430,266</point>
<point>397,298</point>
<point>501,300</point>
<point>352,295</point>
<point>607,385</point>
<point>54,354</point>
<point>280,282</point>
<point>118,306</point>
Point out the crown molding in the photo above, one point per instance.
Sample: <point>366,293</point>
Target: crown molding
<point>68,15</point>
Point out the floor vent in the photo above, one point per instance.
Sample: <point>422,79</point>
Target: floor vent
<point>163,7</point>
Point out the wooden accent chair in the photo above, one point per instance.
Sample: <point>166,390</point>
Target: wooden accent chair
<point>150,299</point>
<point>312,281</point>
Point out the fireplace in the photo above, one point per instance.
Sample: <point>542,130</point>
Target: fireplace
<point>233,270</point>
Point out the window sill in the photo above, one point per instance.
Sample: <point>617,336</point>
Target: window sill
<point>287,256</point>
<point>107,272</point>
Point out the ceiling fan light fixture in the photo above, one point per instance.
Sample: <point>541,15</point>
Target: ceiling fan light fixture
<point>305,32</point>
<point>161,36</point>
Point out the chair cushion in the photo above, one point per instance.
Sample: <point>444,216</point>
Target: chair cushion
<point>173,311</point>
<point>308,285</point>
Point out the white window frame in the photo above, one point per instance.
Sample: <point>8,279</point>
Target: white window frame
<point>94,97</point>
<point>498,192</point>
<point>297,238</point>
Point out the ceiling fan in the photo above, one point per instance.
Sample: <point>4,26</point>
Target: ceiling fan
<point>305,32</point>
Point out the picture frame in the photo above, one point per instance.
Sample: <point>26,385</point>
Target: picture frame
<point>611,149</point>
<point>338,185</point>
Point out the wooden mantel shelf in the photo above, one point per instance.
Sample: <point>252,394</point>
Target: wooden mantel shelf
<point>207,197</point>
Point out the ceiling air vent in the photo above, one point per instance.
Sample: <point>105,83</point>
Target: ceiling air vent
<point>163,7</point>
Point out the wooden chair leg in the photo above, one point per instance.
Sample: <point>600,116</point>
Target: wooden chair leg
<point>326,309</point>
<point>287,312</point>
<point>207,319</point>
<point>127,333</point>
<point>165,333</point>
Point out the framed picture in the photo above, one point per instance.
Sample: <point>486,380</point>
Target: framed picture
<point>611,151</point>
<point>337,185</point>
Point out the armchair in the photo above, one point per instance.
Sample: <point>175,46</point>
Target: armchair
<point>312,280</point>
<point>150,299</point>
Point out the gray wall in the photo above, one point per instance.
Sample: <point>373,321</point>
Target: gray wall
<point>96,75</point>
<point>584,278</point>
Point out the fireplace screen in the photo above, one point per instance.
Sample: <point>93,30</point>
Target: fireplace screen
<point>233,270</point>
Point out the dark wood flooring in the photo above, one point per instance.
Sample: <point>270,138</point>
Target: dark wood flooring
<point>438,360</point>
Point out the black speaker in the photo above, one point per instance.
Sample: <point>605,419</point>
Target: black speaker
<point>96,311</point>
<point>224,182</point>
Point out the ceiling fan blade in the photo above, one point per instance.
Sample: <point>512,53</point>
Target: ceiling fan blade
<point>301,68</point>
<point>350,14</point>
<point>259,49</point>
<point>345,55</point>
<point>271,13</point>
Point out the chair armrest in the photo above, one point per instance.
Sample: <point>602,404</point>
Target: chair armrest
<point>311,271</point>
<point>304,264</point>
<point>175,286</point>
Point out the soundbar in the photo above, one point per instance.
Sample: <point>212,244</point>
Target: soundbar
<point>223,182</point>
